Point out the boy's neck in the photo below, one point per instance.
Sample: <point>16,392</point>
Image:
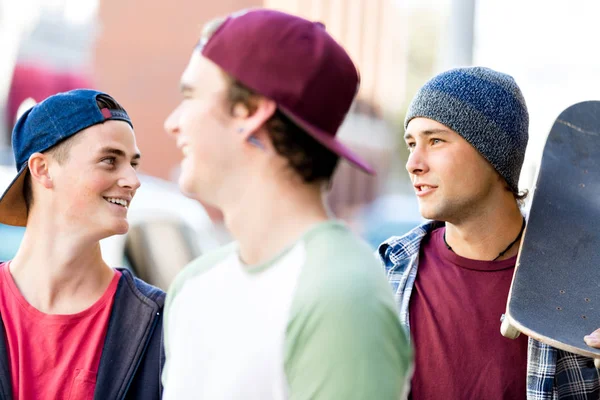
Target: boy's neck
<point>58,274</point>
<point>265,220</point>
<point>486,235</point>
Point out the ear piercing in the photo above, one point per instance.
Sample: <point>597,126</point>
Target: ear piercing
<point>252,140</point>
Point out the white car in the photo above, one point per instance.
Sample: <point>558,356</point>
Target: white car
<point>167,230</point>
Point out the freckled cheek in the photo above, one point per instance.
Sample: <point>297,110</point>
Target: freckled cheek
<point>86,195</point>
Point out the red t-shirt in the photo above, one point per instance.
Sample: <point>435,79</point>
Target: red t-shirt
<point>455,311</point>
<point>53,356</point>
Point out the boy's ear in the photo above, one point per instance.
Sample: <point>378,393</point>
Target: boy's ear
<point>39,169</point>
<point>240,111</point>
<point>250,124</point>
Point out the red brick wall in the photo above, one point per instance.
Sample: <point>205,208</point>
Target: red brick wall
<point>142,49</point>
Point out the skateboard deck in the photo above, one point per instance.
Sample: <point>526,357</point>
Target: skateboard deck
<point>555,293</point>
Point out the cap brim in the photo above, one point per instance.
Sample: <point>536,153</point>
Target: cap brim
<point>330,142</point>
<point>13,210</point>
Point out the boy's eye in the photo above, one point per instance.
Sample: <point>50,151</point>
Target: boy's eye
<point>109,160</point>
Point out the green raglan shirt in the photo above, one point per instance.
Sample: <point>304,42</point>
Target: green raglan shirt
<point>316,322</point>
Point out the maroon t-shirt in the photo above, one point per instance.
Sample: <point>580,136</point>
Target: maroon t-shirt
<point>455,311</point>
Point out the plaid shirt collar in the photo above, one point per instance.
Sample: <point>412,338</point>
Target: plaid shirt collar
<point>551,374</point>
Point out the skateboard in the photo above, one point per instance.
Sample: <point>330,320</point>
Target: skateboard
<point>555,292</point>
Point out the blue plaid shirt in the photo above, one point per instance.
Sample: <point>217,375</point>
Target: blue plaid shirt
<point>551,373</point>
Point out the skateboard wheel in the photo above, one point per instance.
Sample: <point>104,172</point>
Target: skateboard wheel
<point>597,362</point>
<point>508,330</point>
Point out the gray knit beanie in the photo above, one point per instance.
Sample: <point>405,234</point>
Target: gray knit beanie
<point>486,108</point>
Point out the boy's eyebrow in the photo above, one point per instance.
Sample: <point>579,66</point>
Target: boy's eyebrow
<point>120,153</point>
<point>426,132</point>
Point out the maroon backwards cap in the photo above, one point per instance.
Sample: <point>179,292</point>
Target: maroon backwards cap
<point>295,63</point>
